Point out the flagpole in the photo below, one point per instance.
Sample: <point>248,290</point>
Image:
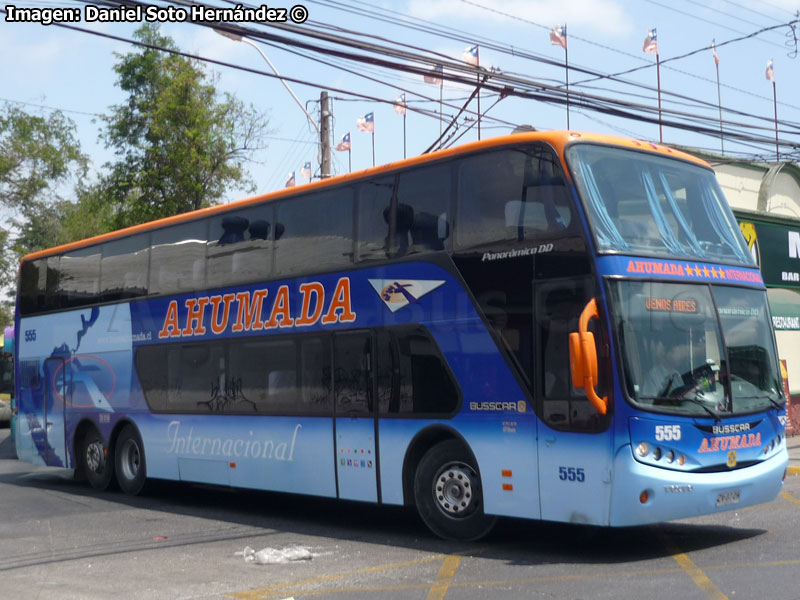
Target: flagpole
<point>719,103</point>
<point>775,103</point>
<point>404,132</point>
<point>441,85</point>
<point>349,160</point>
<point>566,71</point>
<point>658,80</point>
<point>478,81</point>
<point>373,147</point>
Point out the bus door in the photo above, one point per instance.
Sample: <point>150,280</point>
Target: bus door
<point>55,394</point>
<point>575,441</point>
<point>355,416</point>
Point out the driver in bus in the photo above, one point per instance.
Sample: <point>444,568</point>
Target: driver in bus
<point>664,376</point>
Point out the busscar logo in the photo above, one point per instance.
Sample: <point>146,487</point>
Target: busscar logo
<point>398,293</point>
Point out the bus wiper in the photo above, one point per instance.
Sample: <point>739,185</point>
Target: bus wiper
<point>766,396</point>
<point>711,411</point>
<point>673,400</point>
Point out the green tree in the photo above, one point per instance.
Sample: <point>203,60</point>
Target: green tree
<point>179,145</point>
<point>38,156</point>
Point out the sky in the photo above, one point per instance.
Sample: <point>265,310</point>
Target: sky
<point>49,67</point>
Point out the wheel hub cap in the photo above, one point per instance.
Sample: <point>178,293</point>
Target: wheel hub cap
<point>453,489</point>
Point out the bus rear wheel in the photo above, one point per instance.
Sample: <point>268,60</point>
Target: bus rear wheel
<point>96,460</point>
<point>447,490</point>
<point>131,468</point>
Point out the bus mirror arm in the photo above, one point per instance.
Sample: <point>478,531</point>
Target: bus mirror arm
<point>583,358</point>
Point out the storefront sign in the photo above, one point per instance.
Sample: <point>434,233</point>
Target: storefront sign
<point>776,249</point>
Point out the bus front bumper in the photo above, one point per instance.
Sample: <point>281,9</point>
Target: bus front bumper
<point>643,494</point>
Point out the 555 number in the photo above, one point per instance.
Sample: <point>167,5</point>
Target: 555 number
<point>571,474</point>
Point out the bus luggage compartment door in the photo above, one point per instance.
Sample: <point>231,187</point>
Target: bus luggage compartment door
<point>55,386</point>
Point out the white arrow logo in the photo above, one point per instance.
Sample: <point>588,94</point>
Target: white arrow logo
<point>397,293</point>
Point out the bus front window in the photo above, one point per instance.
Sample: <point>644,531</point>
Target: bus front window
<point>677,358</point>
<point>648,204</point>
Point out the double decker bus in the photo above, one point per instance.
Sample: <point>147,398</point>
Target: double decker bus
<point>551,325</point>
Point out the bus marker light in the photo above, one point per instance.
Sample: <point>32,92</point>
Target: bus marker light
<point>508,487</point>
<point>681,460</point>
<point>670,456</point>
<point>233,465</point>
<point>644,497</point>
<point>642,449</point>
<point>657,453</point>
<point>506,472</point>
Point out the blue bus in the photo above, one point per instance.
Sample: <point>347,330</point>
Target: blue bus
<point>550,325</point>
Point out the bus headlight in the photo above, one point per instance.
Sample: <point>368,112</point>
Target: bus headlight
<point>642,449</point>
<point>670,456</point>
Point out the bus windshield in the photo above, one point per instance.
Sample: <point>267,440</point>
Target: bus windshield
<point>696,349</point>
<point>646,204</point>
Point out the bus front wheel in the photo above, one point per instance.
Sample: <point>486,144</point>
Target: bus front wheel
<point>130,465</point>
<point>447,490</point>
<point>97,461</point>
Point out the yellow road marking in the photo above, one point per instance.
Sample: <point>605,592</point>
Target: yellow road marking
<point>289,588</point>
<point>700,579</point>
<point>794,470</point>
<point>262,592</point>
<point>789,497</point>
<point>445,577</point>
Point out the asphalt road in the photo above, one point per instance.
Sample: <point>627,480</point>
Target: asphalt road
<point>59,539</point>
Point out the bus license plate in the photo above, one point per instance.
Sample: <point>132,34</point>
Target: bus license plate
<point>726,498</point>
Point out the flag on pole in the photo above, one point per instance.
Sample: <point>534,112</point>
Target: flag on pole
<point>306,170</point>
<point>770,73</point>
<point>291,181</point>
<point>558,36</point>
<point>435,76</point>
<point>400,105</point>
<point>470,55</point>
<point>366,123</point>
<point>344,143</point>
<point>650,42</point>
<point>714,52</point>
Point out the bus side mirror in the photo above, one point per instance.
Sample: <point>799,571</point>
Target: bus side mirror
<point>583,358</point>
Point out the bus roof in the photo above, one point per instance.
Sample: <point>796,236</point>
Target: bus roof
<point>559,139</point>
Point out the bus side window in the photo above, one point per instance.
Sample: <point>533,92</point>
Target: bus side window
<point>352,374</point>
<point>412,375</point>
<point>240,247</point>
<point>178,258</point>
<point>515,195</point>
<point>314,230</point>
<point>558,307</point>
<point>124,268</point>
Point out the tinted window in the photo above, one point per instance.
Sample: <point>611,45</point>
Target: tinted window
<point>314,232</point>
<point>266,373</point>
<point>315,372</point>
<point>178,262</point>
<point>240,247</point>
<point>405,215</point>
<point>559,305</point>
<point>265,376</point>
<point>79,279</point>
<point>32,285</point>
<point>352,377</point>
<point>374,201</point>
<point>517,195</point>
<point>416,381</point>
<point>123,268</point>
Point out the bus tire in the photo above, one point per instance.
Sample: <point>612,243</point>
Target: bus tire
<point>448,494</point>
<point>131,468</point>
<point>96,460</point>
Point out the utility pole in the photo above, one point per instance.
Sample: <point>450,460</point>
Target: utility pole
<point>324,136</point>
